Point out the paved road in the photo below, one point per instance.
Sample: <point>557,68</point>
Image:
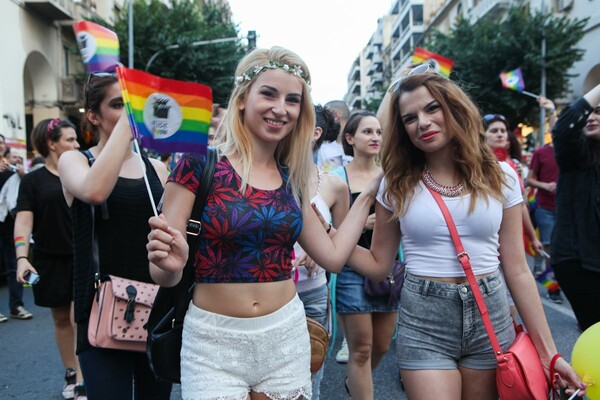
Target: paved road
<point>30,368</point>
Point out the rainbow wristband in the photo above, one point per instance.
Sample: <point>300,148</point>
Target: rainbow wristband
<point>19,241</point>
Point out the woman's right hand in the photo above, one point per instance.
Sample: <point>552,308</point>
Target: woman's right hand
<point>167,247</point>
<point>23,265</point>
<point>373,186</point>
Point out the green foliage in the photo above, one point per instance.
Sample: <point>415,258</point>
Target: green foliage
<point>484,50</point>
<point>157,26</point>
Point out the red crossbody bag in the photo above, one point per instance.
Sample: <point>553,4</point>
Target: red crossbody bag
<point>519,374</point>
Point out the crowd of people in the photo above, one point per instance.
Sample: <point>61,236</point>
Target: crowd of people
<point>307,203</point>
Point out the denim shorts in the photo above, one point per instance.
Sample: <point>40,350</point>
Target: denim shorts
<point>315,303</point>
<point>440,326</point>
<point>544,220</point>
<point>351,297</point>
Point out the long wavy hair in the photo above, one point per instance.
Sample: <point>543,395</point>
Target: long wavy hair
<point>295,150</point>
<point>403,163</point>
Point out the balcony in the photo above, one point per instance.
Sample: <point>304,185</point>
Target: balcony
<point>489,9</point>
<point>53,10</point>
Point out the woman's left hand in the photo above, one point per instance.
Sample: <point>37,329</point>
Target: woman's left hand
<point>566,377</point>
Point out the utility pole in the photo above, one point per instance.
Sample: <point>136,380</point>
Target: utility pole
<point>543,83</point>
<point>130,27</point>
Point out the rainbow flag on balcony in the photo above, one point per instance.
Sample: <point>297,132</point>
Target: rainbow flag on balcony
<point>99,46</point>
<point>167,115</point>
<point>442,64</point>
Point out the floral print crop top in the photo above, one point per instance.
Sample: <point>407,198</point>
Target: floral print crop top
<point>245,237</point>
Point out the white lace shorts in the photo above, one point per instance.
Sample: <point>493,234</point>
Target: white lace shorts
<point>225,358</point>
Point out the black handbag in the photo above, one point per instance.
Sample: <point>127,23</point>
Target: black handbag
<point>390,287</point>
<point>165,324</point>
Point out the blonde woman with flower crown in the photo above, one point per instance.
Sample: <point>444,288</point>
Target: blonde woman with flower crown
<point>245,333</point>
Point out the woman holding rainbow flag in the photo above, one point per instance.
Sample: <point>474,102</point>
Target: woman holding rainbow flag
<point>105,189</point>
<point>245,333</point>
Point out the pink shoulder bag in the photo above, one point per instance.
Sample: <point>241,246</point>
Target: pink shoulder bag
<point>519,374</point>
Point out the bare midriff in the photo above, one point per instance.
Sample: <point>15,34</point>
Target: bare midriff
<point>244,300</point>
<point>455,280</point>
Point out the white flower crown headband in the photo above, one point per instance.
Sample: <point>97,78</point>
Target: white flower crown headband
<point>251,73</point>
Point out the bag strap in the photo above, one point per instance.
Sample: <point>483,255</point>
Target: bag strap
<point>465,262</point>
<point>194,225</point>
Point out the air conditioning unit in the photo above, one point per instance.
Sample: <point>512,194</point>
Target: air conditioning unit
<point>70,90</point>
<point>564,5</point>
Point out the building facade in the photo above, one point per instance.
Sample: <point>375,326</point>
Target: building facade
<point>41,73</point>
<point>410,21</point>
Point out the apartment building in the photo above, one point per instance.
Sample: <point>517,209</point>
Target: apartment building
<point>391,47</point>
<point>41,63</point>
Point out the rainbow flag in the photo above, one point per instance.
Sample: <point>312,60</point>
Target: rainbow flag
<point>442,64</point>
<point>546,278</point>
<point>99,46</point>
<point>167,115</point>
<point>513,80</point>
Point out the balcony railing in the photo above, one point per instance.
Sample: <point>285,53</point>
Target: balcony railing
<point>489,8</point>
<point>53,10</point>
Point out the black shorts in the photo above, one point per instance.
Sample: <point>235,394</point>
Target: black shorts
<point>55,287</point>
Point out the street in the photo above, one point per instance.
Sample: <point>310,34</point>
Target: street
<point>31,368</point>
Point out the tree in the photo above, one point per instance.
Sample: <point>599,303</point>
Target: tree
<point>484,50</point>
<point>183,22</point>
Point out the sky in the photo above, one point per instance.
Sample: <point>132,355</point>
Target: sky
<point>327,34</point>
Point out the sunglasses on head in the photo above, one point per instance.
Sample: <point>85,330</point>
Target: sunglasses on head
<point>491,117</point>
<point>419,69</point>
<point>89,82</point>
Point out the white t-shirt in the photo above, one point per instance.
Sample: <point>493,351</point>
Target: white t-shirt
<point>331,156</point>
<point>426,240</point>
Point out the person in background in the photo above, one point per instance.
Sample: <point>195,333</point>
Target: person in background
<point>331,154</point>
<point>10,173</point>
<point>245,333</point>
<point>110,204</point>
<point>368,322</point>
<point>330,196</point>
<point>576,236</point>
<point>435,140</point>
<point>543,175</point>
<point>43,215</point>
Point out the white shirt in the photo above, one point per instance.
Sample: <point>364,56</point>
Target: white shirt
<point>426,240</point>
<point>331,156</point>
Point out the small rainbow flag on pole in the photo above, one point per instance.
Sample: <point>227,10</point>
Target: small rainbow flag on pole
<point>98,45</point>
<point>442,64</point>
<point>513,80</point>
<point>167,115</point>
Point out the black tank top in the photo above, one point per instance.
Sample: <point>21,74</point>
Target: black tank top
<point>122,233</point>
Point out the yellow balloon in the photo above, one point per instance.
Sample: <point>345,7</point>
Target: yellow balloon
<point>586,359</point>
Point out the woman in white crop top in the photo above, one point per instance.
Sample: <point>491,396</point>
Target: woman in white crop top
<point>435,139</point>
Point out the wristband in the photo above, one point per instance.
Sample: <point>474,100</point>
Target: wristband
<point>19,241</point>
<point>552,363</point>
<point>25,257</point>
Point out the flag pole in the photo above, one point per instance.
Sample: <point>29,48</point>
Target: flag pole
<point>136,145</point>
<point>526,93</point>
<point>137,150</point>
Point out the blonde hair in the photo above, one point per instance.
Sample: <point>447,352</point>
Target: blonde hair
<point>403,163</point>
<point>295,150</point>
